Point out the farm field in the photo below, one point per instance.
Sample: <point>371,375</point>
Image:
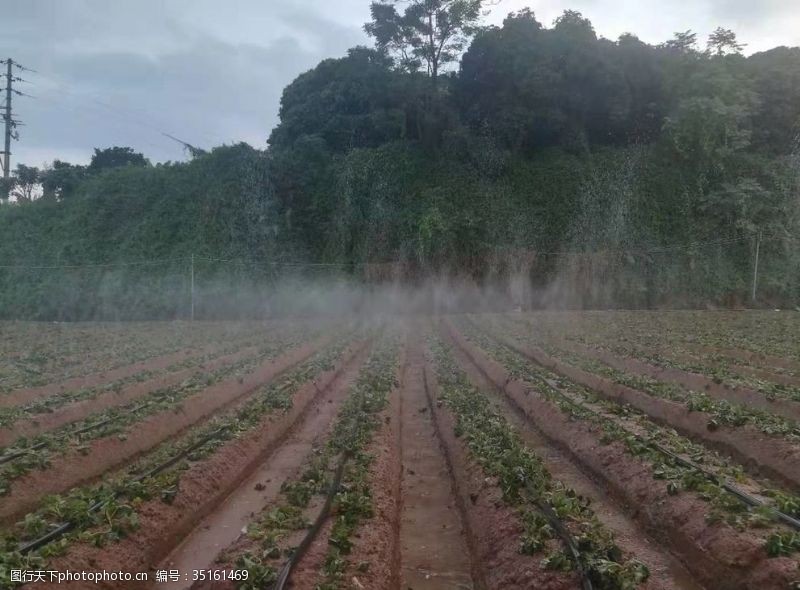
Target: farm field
<point>591,450</point>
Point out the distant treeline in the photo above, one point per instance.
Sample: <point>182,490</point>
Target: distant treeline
<point>594,172</point>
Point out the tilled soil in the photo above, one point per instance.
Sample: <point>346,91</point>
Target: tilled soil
<point>80,410</point>
<point>77,468</point>
<point>223,526</point>
<point>762,455</point>
<point>666,572</point>
<point>439,522</point>
<point>23,396</point>
<point>717,555</point>
<point>209,483</point>
<point>493,529</point>
<point>375,557</point>
<point>433,546</point>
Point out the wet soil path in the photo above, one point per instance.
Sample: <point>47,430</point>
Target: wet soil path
<point>433,546</point>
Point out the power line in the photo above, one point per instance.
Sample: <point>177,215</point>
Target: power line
<point>246,262</point>
<point>154,261</point>
<point>145,120</point>
<point>665,249</point>
<point>11,124</point>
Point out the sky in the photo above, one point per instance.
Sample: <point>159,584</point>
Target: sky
<point>124,72</point>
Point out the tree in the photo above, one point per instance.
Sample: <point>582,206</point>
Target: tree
<point>575,27</point>
<point>114,157</point>
<point>713,120</point>
<point>350,102</point>
<point>429,32</point>
<point>683,42</point>
<point>531,87</point>
<point>723,42</point>
<point>61,179</point>
<point>24,183</point>
<point>776,79</point>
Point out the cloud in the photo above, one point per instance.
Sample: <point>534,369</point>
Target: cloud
<point>123,73</point>
<point>120,73</point>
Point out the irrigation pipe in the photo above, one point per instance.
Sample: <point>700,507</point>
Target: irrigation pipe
<point>65,527</point>
<point>738,493</point>
<point>297,555</point>
<point>546,509</point>
<point>21,453</point>
<point>566,537</point>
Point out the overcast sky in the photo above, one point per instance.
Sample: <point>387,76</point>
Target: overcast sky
<point>121,72</point>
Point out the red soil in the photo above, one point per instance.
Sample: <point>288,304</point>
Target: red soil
<point>112,399</point>
<point>769,456</point>
<point>718,555</point>
<point>666,571</point>
<point>751,357</point>
<point>205,485</point>
<point>24,396</point>
<point>376,540</point>
<point>493,529</point>
<point>76,468</point>
<point>739,395</point>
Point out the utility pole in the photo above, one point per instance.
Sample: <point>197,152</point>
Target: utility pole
<point>755,265</point>
<point>191,272</point>
<point>10,123</point>
<point>7,119</point>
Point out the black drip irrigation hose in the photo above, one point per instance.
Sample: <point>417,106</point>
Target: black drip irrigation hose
<point>569,541</point>
<point>158,395</point>
<point>297,555</point>
<point>552,518</point>
<point>291,563</point>
<point>738,493</point>
<point>21,453</point>
<point>65,527</point>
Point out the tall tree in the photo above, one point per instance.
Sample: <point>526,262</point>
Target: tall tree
<point>114,157</point>
<point>25,183</point>
<point>429,32</point>
<point>61,179</point>
<point>682,42</point>
<point>723,42</point>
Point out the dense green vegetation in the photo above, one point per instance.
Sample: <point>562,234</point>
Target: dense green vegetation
<point>604,172</point>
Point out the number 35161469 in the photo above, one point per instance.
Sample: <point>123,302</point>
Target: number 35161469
<point>218,575</point>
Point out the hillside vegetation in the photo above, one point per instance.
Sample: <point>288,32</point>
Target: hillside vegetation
<point>596,172</point>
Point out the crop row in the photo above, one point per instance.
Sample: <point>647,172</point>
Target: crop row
<point>725,335</point>
<point>720,412</point>
<point>657,446</point>
<point>34,355</point>
<point>49,403</point>
<point>657,351</point>
<point>39,451</point>
<point>527,486</point>
<point>344,457</point>
<point>106,512</point>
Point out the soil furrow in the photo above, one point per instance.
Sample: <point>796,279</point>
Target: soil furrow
<point>433,546</point>
<point>224,490</point>
<point>762,455</point>
<point>748,356</point>
<point>718,556</point>
<point>23,396</point>
<point>105,454</point>
<point>80,410</point>
<point>692,381</point>
<point>223,526</point>
<point>666,572</point>
<point>377,541</point>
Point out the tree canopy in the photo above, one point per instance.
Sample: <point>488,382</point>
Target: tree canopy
<point>655,167</point>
